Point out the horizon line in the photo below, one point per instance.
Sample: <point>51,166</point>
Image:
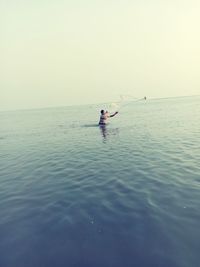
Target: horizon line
<point>99,103</point>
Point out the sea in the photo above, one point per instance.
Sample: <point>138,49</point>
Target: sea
<point>73,194</point>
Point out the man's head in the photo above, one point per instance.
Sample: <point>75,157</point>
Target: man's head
<point>102,111</point>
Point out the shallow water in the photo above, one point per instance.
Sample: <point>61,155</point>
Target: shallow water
<point>76,195</point>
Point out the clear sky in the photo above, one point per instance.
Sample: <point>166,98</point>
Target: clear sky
<point>61,52</point>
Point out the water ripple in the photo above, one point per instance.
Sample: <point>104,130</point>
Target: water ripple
<point>74,195</point>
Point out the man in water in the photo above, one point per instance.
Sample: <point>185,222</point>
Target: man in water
<point>104,116</point>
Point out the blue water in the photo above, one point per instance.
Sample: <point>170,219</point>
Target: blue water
<point>75,195</point>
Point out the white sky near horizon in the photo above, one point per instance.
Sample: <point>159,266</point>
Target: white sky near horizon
<point>58,53</point>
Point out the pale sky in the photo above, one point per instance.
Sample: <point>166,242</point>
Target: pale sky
<point>61,52</point>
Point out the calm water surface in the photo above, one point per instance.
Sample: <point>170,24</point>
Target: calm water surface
<point>76,195</point>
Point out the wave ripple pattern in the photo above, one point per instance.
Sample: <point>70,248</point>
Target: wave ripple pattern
<point>76,195</point>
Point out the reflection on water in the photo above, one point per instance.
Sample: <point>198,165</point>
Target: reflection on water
<point>106,131</point>
<point>103,130</point>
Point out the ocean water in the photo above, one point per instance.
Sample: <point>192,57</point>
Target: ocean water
<point>76,195</point>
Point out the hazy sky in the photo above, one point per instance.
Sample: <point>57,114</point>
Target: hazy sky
<point>65,52</point>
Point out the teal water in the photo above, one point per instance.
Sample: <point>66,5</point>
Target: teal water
<point>76,195</point>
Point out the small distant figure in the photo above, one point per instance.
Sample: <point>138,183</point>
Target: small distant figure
<point>104,116</point>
